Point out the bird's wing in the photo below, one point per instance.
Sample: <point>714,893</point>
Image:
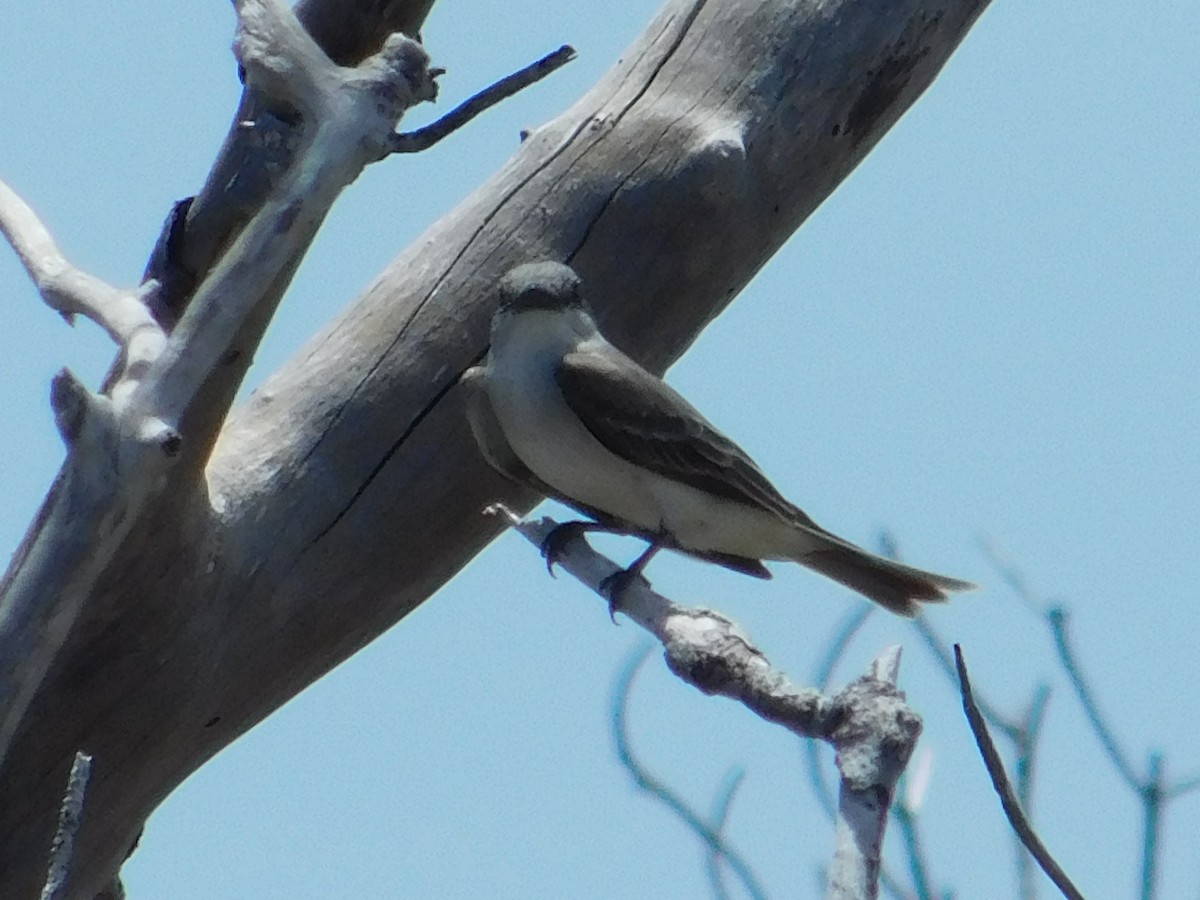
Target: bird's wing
<point>494,446</point>
<point>489,435</point>
<point>639,417</point>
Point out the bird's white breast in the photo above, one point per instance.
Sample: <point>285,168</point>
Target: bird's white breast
<point>556,446</point>
<point>544,432</point>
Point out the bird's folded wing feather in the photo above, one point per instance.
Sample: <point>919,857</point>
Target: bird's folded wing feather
<point>640,418</point>
<point>489,435</point>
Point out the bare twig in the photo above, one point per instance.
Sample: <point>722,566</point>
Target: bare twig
<point>70,814</point>
<point>911,834</point>
<point>1058,620</point>
<point>426,137</point>
<point>1012,575</point>
<point>718,816</point>
<point>1150,789</point>
<point>710,834</point>
<point>1008,799</point>
<point>1180,788</point>
<point>69,291</point>
<point>1028,734</point>
<point>1030,731</point>
<point>1152,807</point>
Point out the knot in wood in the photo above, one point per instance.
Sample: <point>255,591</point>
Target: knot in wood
<point>876,734</point>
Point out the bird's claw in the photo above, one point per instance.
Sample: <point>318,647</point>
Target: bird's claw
<point>614,586</point>
<point>555,543</point>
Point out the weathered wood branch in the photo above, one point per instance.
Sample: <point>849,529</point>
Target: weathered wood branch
<point>868,722</point>
<point>168,396</point>
<point>348,488</point>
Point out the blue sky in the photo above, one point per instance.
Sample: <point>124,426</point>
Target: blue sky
<point>990,329</point>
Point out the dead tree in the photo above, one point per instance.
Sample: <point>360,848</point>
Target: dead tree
<point>195,566</point>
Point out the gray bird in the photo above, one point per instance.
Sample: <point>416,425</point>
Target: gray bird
<point>559,408</point>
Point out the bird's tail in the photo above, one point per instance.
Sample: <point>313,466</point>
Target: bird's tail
<point>891,584</point>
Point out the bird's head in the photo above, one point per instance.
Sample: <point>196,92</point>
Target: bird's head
<point>542,285</point>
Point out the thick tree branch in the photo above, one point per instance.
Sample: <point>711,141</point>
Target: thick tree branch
<point>123,447</point>
<point>347,489</point>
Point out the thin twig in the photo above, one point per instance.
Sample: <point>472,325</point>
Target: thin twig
<point>426,137</point>
<point>937,646</point>
<point>722,803</point>
<point>1180,788</point>
<point>656,788</point>
<point>1152,797</point>
<point>1012,575</point>
<point>1030,732</point>
<point>70,815</point>
<point>1008,799</point>
<point>1058,619</point>
<point>907,820</point>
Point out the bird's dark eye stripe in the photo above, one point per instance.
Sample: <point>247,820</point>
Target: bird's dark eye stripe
<point>538,299</point>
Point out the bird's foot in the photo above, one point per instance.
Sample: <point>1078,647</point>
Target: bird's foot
<point>615,585</point>
<point>555,543</point>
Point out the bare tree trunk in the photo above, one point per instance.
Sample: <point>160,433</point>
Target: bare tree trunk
<point>202,571</point>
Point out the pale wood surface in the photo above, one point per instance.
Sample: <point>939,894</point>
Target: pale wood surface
<point>348,488</point>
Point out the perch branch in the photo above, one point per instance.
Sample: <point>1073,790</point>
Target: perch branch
<point>867,722</point>
<point>1008,798</point>
<point>704,648</point>
<point>426,137</point>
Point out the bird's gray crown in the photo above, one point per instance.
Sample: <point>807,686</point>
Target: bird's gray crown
<point>540,285</point>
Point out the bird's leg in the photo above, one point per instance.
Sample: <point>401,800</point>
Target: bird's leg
<point>618,582</point>
<point>561,535</point>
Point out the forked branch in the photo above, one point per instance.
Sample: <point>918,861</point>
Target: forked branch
<point>868,722</point>
<point>424,138</point>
